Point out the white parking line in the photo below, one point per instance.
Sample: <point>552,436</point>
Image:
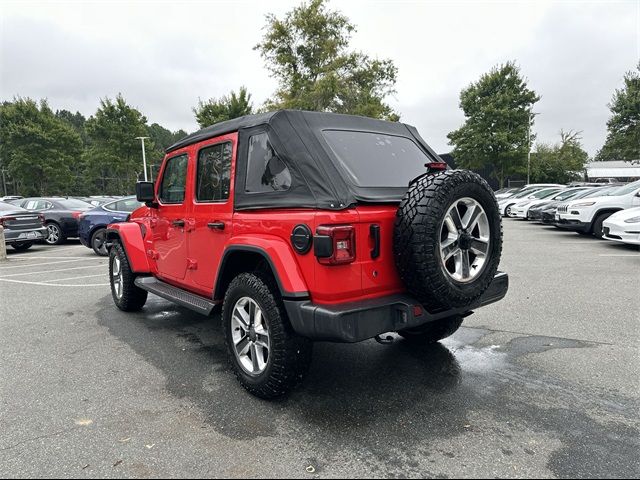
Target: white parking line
<point>53,271</point>
<point>75,278</point>
<point>54,284</point>
<point>36,264</point>
<point>619,255</point>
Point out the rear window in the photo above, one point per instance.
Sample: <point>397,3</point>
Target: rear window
<point>125,205</point>
<point>72,203</point>
<point>6,207</point>
<point>377,160</point>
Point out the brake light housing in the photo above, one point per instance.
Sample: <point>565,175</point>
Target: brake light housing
<point>41,218</point>
<point>335,244</point>
<point>76,215</point>
<point>6,219</point>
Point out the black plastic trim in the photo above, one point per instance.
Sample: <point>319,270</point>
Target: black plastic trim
<point>374,232</point>
<point>301,238</point>
<point>322,246</point>
<point>357,321</point>
<point>218,294</point>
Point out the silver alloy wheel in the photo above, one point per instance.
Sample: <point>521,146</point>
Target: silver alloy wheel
<point>53,234</point>
<point>464,240</point>
<point>116,277</point>
<point>250,335</point>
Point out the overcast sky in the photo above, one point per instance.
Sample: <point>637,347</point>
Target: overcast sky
<point>163,56</point>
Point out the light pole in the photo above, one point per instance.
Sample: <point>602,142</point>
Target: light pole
<point>144,157</point>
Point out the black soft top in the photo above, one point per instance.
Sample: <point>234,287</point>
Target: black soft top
<point>296,136</point>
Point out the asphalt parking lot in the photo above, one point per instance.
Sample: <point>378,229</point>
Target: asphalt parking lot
<point>543,384</point>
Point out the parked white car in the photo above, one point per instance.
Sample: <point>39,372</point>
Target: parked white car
<point>623,226</point>
<point>586,216</point>
<point>506,205</point>
<point>521,209</point>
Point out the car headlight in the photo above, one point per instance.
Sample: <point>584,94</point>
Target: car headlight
<point>633,220</point>
<point>583,204</point>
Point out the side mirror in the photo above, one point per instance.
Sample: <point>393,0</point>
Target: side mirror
<point>145,192</point>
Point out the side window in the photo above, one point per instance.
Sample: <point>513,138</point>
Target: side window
<point>213,178</point>
<point>174,180</point>
<point>266,172</point>
<point>31,205</point>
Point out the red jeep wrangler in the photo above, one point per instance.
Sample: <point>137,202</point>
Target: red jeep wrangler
<point>310,226</point>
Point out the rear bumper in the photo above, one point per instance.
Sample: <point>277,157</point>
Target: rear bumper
<point>27,235</point>
<point>357,321</point>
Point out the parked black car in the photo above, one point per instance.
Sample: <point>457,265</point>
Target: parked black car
<point>60,215</point>
<point>21,227</point>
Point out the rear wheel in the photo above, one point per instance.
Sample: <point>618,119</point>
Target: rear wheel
<point>268,358</point>
<point>21,246</point>
<point>126,295</point>
<point>98,242</point>
<point>432,332</point>
<point>54,234</point>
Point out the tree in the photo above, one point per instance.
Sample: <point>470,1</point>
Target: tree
<point>38,149</point>
<point>559,163</point>
<point>114,157</point>
<point>307,52</point>
<point>224,108</point>
<point>623,137</point>
<point>498,115</point>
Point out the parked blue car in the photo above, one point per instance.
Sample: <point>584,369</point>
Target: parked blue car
<point>93,224</point>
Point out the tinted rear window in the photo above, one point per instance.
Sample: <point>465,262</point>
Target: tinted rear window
<point>377,160</point>
<point>6,207</point>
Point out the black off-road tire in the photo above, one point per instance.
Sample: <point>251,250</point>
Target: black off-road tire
<point>597,225</point>
<point>100,233</point>
<point>416,242</point>
<point>132,298</point>
<point>21,246</point>
<point>432,332</point>
<point>290,354</point>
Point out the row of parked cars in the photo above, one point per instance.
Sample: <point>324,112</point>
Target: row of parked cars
<point>610,211</point>
<point>53,220</point>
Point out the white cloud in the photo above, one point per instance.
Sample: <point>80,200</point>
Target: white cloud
<point>163,56</point>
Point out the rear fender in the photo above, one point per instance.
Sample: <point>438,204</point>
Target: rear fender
<point>277,253</point>
<point>130,236</point>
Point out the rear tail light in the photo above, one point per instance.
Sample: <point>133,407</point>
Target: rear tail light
<point>76,215</point>
<point>41,218</point>
<point>6,219</point>
<point>335,245</point>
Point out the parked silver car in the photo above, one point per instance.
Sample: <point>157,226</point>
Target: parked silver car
<point>21,227</point>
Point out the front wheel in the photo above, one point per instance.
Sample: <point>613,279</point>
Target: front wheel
<point>266,355</point>
<point>432,332</point>
<point>21,246</point>
<point>126,295</point>
<point>598,229</point>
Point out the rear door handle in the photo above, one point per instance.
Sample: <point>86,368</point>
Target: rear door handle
<point>216,225</point>
<point>178,223</point>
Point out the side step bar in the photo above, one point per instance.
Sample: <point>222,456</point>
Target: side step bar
<point>176,295</point>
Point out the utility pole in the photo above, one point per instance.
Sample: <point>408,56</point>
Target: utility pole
<point>144,157</point>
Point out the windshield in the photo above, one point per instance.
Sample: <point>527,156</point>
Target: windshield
<point>632,187</point>
<point>569,194</point>
<point>599,192</point>
<point>544,193</point>
<point>72,203</point>
<point>377,160</point>
<point>525,193</point>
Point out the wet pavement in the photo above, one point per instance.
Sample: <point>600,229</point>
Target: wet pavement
<point>518,392</point>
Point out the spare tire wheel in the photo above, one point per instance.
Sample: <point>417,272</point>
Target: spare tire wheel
<point>448,238</point>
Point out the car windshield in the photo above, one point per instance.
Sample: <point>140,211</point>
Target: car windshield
<point>599,192</point>
<point>377,160</point>
<point>544,193</point>
<point>524,193</point>
<point>7,207</point>
<point>568,194</point>
<point>627,189</point>
<point>72,203</point>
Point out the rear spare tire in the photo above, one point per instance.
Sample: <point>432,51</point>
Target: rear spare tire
<point>448,238</point>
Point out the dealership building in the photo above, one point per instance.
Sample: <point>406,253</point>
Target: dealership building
<point>619,170</point>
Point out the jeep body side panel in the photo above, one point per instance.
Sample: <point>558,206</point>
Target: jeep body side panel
<point>130,236</point>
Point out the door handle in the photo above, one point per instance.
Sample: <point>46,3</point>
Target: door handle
<point>178,223</point>
<point>374,232</point>
<point>216,225</point>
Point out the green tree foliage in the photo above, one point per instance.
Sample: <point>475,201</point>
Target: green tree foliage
<point>308,53</point>
<point>224,108</point>
<point>623,137</point>
<point>39,150</point>
<point>497,109</point>
<point>559,163</point>
<point>114,155</point>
